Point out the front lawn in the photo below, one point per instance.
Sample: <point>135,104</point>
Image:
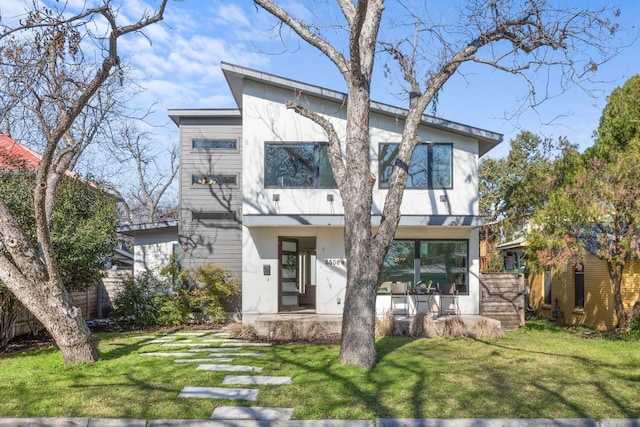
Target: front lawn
<point>535,372</point>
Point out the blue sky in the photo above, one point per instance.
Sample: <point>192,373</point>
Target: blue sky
<point>180,67</point>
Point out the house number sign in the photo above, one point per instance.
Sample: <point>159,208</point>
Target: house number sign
<point>335,261</point>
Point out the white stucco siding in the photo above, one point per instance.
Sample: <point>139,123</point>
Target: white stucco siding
<point>261,249</point>
<point>266,118</point>
<point>151,255</point>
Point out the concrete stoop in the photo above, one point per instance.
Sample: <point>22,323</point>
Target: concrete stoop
<point>266,323</point>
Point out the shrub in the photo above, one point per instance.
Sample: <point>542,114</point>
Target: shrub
<point>385,326</point>
<point>453,327</point>
<point>286,330</point>
<point>483,329</point>
<point>316,331</point>
<point>204,288</point>
<point>242,331</point>
<point>142,298</point>
<point>416,327</point>
<point>430,328</point>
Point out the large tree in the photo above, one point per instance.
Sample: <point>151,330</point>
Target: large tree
<point>513,188</point>
<point>83,233</point>
<point>519,37</point>
<point>56,71</point>
<point>596,204</point>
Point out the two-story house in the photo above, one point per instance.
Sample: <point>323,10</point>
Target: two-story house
<point>257,195</point>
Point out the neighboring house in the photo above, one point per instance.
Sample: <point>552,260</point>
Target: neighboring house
<point>153,245</point>
<point>513,254</point>
<point>582,295</point>
<point>257,196</point>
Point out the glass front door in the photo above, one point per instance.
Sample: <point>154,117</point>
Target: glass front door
<point>289,277</point>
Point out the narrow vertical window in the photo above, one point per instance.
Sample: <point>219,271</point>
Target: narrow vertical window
<point>547,287</point>
<point>579,285</point>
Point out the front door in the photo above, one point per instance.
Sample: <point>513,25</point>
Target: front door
<point>289,274</point>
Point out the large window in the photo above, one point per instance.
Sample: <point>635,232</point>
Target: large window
<point>431,165</point>
<point>297,165</point>
<point>440,261</point>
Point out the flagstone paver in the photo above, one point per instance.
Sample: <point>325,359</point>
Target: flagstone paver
<point>251,413</point>
<point>185,344</point>
<point>215,349</point>
<point>248,344</point>
<point>220,340</point>
<point>207,360</point>
<point>167,354</point>
<point>161,341</point>
<point>219,393</point>
<point>255,379</point>
<point>228,368</point>
<point>190,334</point>
<point>238,354</point>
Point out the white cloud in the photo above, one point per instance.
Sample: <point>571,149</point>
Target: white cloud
<point>232,15</point>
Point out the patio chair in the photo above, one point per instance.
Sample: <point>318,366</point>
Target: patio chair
<point>449,299</point>
<point>399,294</point>
<point>425,294</point>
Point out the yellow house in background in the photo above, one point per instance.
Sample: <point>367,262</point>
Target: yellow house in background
<point>583,295</point>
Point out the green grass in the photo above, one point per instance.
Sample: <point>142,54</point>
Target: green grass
<point>539,371</point>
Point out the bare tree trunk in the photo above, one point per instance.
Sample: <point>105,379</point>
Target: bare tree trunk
<point>64,322</point>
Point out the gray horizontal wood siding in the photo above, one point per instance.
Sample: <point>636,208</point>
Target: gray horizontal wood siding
<point>210,241</point>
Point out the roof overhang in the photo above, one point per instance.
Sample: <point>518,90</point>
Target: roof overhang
<point>261,220</point>
<point>137,229</point>
<point>235,75</point>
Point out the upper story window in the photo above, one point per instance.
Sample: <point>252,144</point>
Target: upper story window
<point>431,165</point>
<point>214,144</point>
<point>297,165</point>
<point>213,216</point>
<point>213,179</point>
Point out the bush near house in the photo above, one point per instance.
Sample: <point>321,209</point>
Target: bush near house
<point>180,297</point>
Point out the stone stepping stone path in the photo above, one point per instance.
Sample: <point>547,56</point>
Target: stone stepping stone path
<point>218,356</point>
<point>238,354</point>
<point>251,413</point>
<point>161,341</point>
<point>247,344</point>
<point>185,343</point>
<point>228,368</point>
<point>167,354</point>
<point>255,380</point>
<point>219,393</point>
<point>208,360</point>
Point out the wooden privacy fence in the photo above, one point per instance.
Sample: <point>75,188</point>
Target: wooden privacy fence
<point>502,298</point>
<point>95,303</point>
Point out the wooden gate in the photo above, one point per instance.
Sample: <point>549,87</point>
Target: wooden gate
<point>502,298</point>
